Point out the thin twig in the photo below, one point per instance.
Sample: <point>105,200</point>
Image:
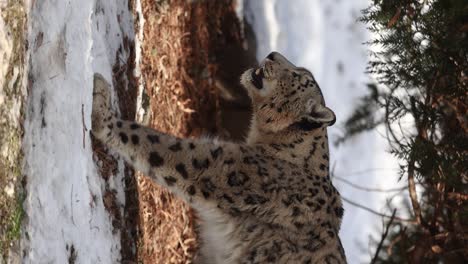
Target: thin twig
<point>85,129</point>
<point>392,244</point>
<point>439,202</point>
<point>458,197</point>
<point>375,212</point>
<point>368,189</point>
<point>412,192</point>
<point>384,235</point>
<point>361,172</point>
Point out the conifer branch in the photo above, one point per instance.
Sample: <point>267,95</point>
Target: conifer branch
<point>384,236</point>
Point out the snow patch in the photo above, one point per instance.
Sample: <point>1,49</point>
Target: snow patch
<point>66,217</point>
<point>140,112</point>
<point>9,190</point>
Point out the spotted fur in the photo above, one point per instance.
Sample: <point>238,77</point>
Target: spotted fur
<point>267,200</point>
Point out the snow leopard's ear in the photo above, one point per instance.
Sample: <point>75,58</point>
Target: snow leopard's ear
<point>317,116</point>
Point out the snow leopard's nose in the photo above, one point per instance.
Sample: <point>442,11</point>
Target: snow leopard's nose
<point>280,59</point>
<point>271,56</point>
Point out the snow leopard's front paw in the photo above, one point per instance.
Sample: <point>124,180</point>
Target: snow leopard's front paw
<point>101,105</point>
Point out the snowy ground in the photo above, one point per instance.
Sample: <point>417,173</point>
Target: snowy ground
<point>324,37</point>
<point>66,218</point>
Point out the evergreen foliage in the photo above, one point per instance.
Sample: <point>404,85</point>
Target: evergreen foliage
<point>420,96</point>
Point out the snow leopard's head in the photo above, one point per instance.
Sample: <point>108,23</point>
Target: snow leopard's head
<point>285,96</point>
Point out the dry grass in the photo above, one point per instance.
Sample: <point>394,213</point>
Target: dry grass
<point>167,226</point>
<point>178,66</point>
